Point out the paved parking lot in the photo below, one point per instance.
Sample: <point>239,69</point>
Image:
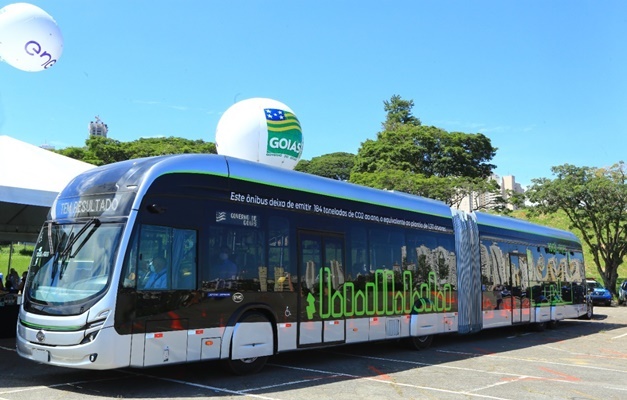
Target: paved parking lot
<point>578,360</point>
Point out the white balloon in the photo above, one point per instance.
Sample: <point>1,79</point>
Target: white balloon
<point>30,39</point>
<point>262,130</point>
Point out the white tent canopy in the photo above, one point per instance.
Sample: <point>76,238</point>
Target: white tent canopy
<point>30,179</point>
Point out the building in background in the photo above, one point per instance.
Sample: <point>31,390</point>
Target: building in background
<point>98,128</point>
<point>476,200</point>
<point>508,186</point>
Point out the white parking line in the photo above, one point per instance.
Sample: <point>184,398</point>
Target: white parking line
<point>387,382</point>
<point>198,385</point>
<point>290,383</point>
<point>31,388</point>
<point>518,377</point>
<point>532,361</point>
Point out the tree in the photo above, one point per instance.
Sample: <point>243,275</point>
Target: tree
<point>424,160</point>
<point>77,153</point>
<point>595,202</point>
<point>398,113</point>
<point>333,165</point>
<point>100,150</point>
<point>429,151</point>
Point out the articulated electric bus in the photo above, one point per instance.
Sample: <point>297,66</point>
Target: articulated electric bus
<point>186,258</point>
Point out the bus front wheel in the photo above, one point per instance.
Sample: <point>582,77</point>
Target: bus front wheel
<point>256,329</point>
<point>246,366</point>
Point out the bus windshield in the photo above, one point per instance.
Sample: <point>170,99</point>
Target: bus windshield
<point>72,263</point>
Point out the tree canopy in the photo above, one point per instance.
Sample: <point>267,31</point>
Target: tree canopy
<point>398,113</point>
<point>595,202</point>
<point>428,151</point>
<point>100,150</point>
<point>424,160</point>
<point>333,165</point>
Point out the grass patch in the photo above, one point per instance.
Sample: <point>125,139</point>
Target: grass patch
<point>20,259</point>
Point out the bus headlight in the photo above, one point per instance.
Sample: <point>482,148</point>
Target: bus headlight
<point>90,337</point>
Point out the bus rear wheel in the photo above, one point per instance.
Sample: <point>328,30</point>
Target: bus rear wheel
<point>419,342</point>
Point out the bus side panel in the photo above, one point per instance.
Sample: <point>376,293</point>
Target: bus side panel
<point>543,314</point>
<point>557,312</point>
<point>287,336</point>
<point>137,349</point>
<point>165,348</point>
<point>496,318</point>
<point>377,328</point>
<point>204,344</point>
<point>310,332</point>
<point>424,324</point>
<point>357,330</point>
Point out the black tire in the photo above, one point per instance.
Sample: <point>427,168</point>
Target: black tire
<point>539,326</point>
<point>419,342</point>
<point>252,365</point>
<point>246,366</point>
<point>552,324</point>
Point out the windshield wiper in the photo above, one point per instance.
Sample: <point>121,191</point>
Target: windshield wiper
<point>73,240</point>
<point>50,245</point>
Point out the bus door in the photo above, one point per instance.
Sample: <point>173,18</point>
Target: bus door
<point>321,275</point>
<point>519,302</point>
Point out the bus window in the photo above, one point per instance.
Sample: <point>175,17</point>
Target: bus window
<point>235,255</point>
<point>360,267</point>
<point>184,256</point>
<point>278,257</point>
<point>161,258</point>
<point>386,248</point>
<point>154,258</point>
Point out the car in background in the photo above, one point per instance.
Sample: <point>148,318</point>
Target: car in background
<point>598,293</point>
<point>622,293</point>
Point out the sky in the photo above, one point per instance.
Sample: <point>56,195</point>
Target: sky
<point>544,80</point>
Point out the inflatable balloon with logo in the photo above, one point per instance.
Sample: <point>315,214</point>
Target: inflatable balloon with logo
<point>262,130</point>
<point>30,39</point>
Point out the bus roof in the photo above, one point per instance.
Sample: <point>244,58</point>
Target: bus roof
<point>137,175</point>
<point>489,223</point>
<point>123,180</point>
<point>255,172</point>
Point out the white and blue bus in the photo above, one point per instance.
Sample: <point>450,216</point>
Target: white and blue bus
<point>185,258</point>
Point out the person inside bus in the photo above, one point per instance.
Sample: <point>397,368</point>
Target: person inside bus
<point>225,268</point>
<point>158,277</point>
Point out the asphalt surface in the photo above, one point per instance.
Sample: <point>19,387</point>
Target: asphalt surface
<point>576,360</point>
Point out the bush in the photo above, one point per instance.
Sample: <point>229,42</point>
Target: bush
<point>26,251</point>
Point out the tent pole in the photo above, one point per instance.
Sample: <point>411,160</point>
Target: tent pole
<point>10,255</point>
